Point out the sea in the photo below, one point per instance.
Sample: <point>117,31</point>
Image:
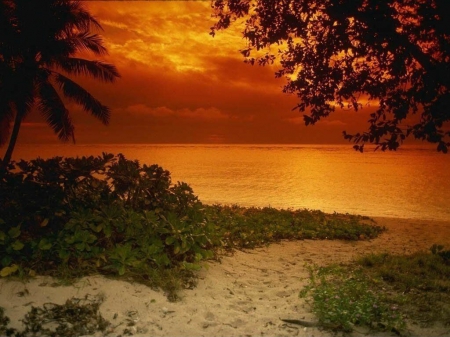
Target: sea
<point>412,182</point>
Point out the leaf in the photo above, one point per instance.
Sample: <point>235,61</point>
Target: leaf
<point>96,229</point>
<point>121,270</point>
<point>163,260</point>
<point>191,266</point>
<point>44,244</point>
<point>198,257</point>
<point>17,245</point>
<point>170,240</point>
<point>14,232</point>
<point>6,271</point>
<point>44,223</point>
<point>6,260</point>
<point>64,254</point>
<point>153,249</point>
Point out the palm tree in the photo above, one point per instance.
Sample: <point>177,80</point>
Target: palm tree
<point>40,45</point>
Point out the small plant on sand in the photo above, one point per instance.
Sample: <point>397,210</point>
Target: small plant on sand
<point>382,291</point>
<point>342,299</point>
<point>76,317</point>
<point>422,278</point>
<point>4,321</point>
<point>242,227</point>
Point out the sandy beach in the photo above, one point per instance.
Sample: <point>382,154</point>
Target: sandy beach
<point>245,294</point>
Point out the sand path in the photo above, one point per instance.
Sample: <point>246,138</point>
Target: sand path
<point>245,294</point>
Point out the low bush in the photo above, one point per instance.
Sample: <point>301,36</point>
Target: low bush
<point>242,227</point>
<point>73,216</point>
<point>382,291</point>
<point>423,278</point>
<point>69,217</point>
<point>342,298</point>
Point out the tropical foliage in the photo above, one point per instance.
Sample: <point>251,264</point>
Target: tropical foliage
<point>69,217</point>
<point>341,53</point>
<point>243,227</point>
<point>40,45</point>
<point>382,291</point>
<point>105,214</point>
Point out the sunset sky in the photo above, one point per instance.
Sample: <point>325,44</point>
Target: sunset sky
<point>181,85</point>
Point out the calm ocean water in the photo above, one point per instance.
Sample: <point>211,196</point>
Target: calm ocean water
<point>410,183</point>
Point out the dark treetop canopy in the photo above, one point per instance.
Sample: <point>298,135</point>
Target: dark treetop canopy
<point>336,52</point>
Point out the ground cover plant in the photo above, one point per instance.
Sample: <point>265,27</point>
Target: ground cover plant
<point>243,227</point>
<point>72,217</point>
<point>382,291</point>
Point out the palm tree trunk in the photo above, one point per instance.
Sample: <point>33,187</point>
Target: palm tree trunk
<point>12,140</point>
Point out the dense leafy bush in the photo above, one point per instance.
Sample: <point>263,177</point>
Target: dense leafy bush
<point>104,213</point>
<point>74,216</point>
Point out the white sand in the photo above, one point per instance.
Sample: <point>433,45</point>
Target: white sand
<point>246,294</point>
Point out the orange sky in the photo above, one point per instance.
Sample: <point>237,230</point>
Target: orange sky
<point>180,85</point>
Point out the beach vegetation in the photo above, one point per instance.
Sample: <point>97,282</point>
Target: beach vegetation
<point>76,317</point>
<point>75,216</point>
<point>342,299</point>
<point>250,227</point>
<point>423,278</point>
<point>382,292</point>
<point>70,217</point>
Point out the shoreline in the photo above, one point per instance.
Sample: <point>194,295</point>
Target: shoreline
<point>246,293</point>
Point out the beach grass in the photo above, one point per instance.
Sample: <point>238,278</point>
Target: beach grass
<point>382,291</point>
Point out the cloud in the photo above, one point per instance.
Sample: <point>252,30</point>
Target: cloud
<point>202,113</point>
<point>333,122</point>
<point>141,110</point>
<point>179,84</point>
<point>324,122</point>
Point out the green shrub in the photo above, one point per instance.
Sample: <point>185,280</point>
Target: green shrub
<point>242,227</point>
<point>342,298</point>
<point>69,217</point>
<point>99,214</point>
<point>422,278</point>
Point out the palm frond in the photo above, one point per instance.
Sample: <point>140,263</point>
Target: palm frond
<point>54,111</point>
<point>97,69</point>
<point>90,104</point>
<point>7,27</point>
<point>82,19</point>
<point>59,49</point>
<point>85,41</point>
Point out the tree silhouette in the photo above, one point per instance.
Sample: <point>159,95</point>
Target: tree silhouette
<point>39,45</point>
<point>395,53</point>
